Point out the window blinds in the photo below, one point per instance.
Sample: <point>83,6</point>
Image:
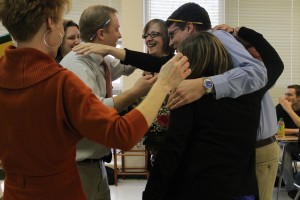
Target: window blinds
<point>279,22</point>
<point>163,9</point>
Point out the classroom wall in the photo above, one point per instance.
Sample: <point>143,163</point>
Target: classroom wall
<point>238,12</point>
<point>131,25</point>
<point>131,28</point>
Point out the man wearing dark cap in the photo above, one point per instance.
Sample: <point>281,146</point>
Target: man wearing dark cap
<point>246,77</point>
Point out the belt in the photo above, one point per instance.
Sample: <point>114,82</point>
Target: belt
<point>91,161</point>
<point>264,142</point>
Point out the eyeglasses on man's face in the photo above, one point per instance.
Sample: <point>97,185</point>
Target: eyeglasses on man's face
<point>172,33</point>
<point>101,27</point>
<point>153,34</point>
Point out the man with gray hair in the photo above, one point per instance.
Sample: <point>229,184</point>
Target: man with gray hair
<point>99,24</point>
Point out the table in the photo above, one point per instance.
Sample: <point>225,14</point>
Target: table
<point>126,170</point>
<point>285,140</point>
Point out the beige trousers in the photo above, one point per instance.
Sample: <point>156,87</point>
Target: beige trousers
<point>267,160</point>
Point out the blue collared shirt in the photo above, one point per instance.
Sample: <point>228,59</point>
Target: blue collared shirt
<point>248,75</point>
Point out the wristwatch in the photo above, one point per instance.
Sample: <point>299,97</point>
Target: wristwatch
<point>208,85</point>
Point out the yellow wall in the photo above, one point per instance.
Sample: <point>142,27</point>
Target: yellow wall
<point>131,20</point>
<point>131,28</point>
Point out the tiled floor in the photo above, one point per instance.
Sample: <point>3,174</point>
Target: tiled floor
<point>128,189</point>
<point>1,188</point>
<point>282,195</point>
<point>131,189</point>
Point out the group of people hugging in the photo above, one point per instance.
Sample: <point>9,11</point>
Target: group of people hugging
<point>59,118</point>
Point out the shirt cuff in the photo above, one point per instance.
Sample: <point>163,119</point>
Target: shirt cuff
<point>220,85</point>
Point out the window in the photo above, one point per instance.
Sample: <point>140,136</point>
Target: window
<point>77,8</point>
<point>279,22</point>
<point>163,9</point>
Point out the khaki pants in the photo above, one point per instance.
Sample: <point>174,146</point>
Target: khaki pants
<point>94,180</point>
<point>267,160</point>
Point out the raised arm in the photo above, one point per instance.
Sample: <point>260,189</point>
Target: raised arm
<point>145,61</point>
<point>88,48</point>
<point>90,118</point>
<point>247,76</point>
<point>140,89</point>
<point>267,53</point>
<point>288,108</point>
<point>137,59</point>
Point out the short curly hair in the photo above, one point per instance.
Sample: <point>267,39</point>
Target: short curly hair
<point>164,31</point>
<point>191,12</point>
<point>23,18</point>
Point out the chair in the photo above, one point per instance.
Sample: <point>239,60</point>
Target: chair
<point>298,193</point>
<point>123,169</point>
<point>295,160</point>
<point>281,165</point>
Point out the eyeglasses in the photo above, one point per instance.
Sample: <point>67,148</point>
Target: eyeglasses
<point>101,27</point>
<point>178,20</point>
<point>153,34</point>
<point>172,33</point>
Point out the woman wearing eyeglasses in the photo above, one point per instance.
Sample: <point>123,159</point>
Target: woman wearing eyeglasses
<point>157,40</point>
